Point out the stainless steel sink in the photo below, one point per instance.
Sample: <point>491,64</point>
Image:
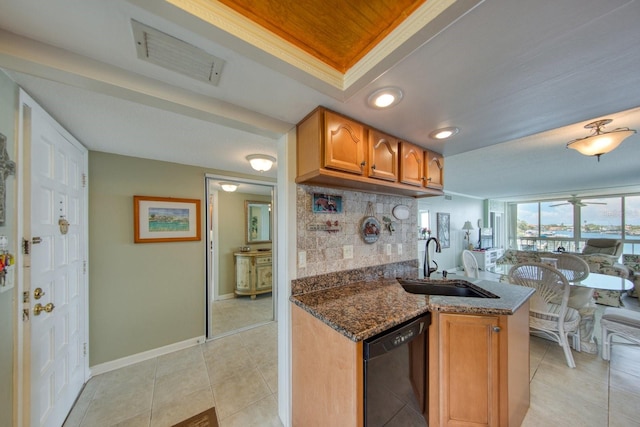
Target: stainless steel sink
<point>445,287</point>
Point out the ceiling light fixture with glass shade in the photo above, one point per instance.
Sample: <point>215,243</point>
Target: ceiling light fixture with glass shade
<point>385,98</point>
<point>261,162</point>
<point>229,187</point>
<point>600,142</point>
<point>444,133</point>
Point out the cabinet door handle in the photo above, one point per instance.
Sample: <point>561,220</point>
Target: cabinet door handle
<point>363,164</point>
<point>496,329</point>
<point>373,167</point>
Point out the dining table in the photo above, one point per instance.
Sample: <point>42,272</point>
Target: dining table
<point>587,311</point>
<point>593,280</point>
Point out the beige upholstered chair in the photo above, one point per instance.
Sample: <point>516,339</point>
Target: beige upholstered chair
<point>620,322</point>
<point>546,318</point>
<point>470,264</point>
<point>603,246</point>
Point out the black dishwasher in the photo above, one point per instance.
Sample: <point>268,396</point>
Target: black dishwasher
<point>396,381</point>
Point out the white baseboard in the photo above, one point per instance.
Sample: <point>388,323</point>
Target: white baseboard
<point>225,296</point>
<point>145,355</point>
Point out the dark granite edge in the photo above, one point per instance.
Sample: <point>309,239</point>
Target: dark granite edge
<point>512,297</point>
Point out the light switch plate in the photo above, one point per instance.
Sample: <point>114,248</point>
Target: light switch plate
<point>302,259</point>
<point>347,252</point>
<point>388,249</point>
<point>399,248</point>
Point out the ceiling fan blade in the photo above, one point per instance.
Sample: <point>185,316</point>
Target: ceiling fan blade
<point>559,204</point>
<point>595,203</point>
<point>580,204</point>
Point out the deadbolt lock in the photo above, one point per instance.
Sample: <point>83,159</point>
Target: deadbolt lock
<point>39,308</point>
<point>38,293</point>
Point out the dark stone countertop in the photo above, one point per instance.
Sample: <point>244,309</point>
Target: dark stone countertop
<point>364,309</point>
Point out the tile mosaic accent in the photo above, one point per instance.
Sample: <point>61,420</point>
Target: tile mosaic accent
<point>324,250</point>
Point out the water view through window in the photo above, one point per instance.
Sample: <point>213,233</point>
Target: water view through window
<point>549,225</point>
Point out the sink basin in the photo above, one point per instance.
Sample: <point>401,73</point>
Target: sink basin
<point>451,288</point>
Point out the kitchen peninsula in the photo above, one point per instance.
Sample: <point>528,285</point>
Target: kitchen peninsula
<point>477,351</point>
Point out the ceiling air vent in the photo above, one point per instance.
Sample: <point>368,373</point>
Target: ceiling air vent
<point>169,52</point>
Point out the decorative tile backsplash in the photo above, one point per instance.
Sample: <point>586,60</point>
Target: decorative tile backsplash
<point>325,250</point>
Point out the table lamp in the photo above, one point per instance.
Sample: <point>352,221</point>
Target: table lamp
<point>467,227</point>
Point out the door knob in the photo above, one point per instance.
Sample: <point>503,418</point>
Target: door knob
<point>38,293</point>
<point>38,308</point>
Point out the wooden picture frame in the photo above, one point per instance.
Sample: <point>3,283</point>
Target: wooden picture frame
<point>443,221</point>
<point>166,219</point>
<point>258,221</point>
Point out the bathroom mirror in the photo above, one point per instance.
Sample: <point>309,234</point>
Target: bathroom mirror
<point>258,216</point>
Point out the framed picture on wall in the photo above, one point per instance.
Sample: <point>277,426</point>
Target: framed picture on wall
<point>165,219</point>
<point>443,229</point>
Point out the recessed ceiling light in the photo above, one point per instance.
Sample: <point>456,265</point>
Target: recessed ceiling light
<point>444,133</point>
<point>385,97</point>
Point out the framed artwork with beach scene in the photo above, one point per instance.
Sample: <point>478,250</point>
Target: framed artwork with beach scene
<point>165,219</point>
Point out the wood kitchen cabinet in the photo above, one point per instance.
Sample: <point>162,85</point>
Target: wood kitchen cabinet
<point>383,156</point>
<point>253,272</point>
<point>479,369</point>
<point>344,144</point>
<point>411,164</point>
<point>336,151</point>
<point>434,170</point>
<point>327,383</point>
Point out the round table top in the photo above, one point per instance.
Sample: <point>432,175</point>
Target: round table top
<point>606,282</point>
<point>593,280</point>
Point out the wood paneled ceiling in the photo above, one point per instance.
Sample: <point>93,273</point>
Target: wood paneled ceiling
<point>337,32</point>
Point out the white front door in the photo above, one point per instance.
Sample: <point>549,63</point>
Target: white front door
<point>55,203</point>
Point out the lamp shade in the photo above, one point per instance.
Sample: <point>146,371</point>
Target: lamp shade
<point>467,226</point>
<point>600,142</point>
<point>261,162</point>
<point>596,145</point>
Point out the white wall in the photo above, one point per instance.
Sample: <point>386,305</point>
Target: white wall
<point>460,209</point>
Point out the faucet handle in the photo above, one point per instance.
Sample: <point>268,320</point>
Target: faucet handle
<point>444,274</point>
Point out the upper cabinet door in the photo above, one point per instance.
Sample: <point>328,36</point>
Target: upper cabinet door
<point>411,164</point>
<point>434,170</point>
<point>383,156</point>
<point>344,144</point>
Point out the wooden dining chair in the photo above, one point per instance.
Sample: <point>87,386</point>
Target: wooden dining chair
<point>547,318</point>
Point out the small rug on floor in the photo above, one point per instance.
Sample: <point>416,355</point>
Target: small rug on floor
<point>203,419</point>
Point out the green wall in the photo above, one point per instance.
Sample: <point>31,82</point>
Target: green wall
<point>146,295</point>
<point>8,109</point>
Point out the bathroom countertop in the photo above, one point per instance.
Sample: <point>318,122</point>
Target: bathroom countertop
<point>363,309</point>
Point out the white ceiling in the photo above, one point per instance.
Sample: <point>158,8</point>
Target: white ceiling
<point>520,78</point>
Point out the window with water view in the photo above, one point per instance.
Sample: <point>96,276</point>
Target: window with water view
<point>567,224</point>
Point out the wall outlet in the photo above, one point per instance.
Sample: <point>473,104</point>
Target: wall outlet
<point>347,252</point>
<point>388,249</point>
<point>302,259</point>
<point>399,248</point>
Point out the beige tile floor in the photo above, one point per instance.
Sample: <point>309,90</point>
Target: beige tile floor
<point>241,312</point>
<point>238,375</point>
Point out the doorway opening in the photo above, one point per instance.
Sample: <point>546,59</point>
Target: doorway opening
<point>241,273</point>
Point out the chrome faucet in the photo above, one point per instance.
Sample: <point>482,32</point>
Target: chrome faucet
<point>427,269</point>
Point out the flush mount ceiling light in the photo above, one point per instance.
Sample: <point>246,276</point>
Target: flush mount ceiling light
<point>600,142</point>
<point>385,97</point>
<point>229,186</point>
<point>444,133</point>
<point>261,162</point>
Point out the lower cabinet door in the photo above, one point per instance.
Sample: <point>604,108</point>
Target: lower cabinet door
<point>469,356</point>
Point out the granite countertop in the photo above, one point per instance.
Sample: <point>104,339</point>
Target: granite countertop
<point>363,309</point>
